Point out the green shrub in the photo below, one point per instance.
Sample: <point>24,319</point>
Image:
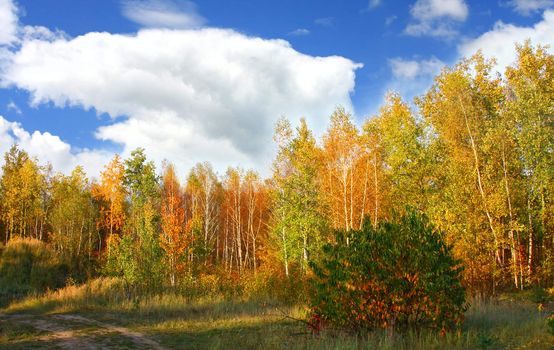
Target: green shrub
<point>29,265</point>
<point>550,323</point>
<point>401,274</point>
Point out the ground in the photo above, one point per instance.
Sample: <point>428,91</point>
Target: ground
<point>79,319</point>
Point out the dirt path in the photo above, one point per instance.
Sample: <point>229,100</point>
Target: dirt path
<point>136,337</point>
<point>64,338</point>
<point>70,331</point>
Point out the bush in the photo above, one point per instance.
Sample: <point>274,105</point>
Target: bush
<point>28,265</point>
<point>401,274</point>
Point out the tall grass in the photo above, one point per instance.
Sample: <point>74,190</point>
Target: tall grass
<point>28,266</point>
<point>110,294</point>
<point>97,294</point>
<point>214,320</point>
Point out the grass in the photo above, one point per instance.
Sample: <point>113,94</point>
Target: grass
<point>214,322</point>
<point>12,332</point>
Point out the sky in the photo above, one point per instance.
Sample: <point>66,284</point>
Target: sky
<point>207,80</point>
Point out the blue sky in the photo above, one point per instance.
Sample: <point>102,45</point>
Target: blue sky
<point>206,80</point>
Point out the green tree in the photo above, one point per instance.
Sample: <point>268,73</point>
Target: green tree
<point>300,223</point>
<point>406,169</point>
<point>72,219</point>
<point>139,255</point>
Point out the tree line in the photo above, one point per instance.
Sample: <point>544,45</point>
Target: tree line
<point>475,153</point>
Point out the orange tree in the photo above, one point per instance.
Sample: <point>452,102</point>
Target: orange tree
<point>400,274</point>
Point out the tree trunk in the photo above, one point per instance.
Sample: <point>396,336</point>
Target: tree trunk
<point>285,252</point>
<point>510,214</point>
<point>530,251</point>
<point>376,184</point>
<point>344,200</point>
<point>366,178</point>
<point>480,182</point>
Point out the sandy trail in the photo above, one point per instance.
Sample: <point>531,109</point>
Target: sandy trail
<point>65,330</point>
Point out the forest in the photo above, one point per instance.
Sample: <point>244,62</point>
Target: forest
<point>472,159</point>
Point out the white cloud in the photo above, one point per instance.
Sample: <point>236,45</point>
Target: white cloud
<point>11,32</point>
<point>500,41</point>
<point>410,77</point>
<point>373,4</point>
<point>40,33</point>
<point>325,21</point>
<point>527,7</point>
<point>390,20</point>
<point>163,13</point>
<point>438,18</point>
<point>187,95</point>
<point>12,106</point>
<point>50,148</point>
<point>426,10</point>
<point>412,69</point>
<point>8,22</point>
<point>300,32</point>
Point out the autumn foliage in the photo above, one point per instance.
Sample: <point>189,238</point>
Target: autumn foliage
<point>474,153</point>
<point>173,237</point>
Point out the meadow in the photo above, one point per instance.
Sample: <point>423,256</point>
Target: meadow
<point>103,313</point>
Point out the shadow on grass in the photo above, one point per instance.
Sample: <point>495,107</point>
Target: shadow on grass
<point>215,323</point>
<point>29,344</point>
<point>233,334</point>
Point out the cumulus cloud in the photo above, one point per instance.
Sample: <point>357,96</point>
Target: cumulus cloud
<point>438,18</point>
<point>163,13</point>
<point>50,148</point>
<point>40,33</point>
<point>185,95</point>
<point>499,42</point>
<point>411,69</point>
<point>527,7</point>
<point>8,22</point>
<point>11,32</point>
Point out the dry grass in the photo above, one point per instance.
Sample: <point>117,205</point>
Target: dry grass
<point>213,322</point>
<point>95,295</point>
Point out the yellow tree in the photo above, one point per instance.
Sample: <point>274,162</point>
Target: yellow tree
<point>529,109</point>
<point>345,172</point>
<point>257,214</point>
<point>173,239</point>
<point>110,193</point>
<point>203,193</point>
<point>377,197</point>
<point>462,107</point>
<point>244,219</point>
<point>234,218</point>
<point>23,202</point>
